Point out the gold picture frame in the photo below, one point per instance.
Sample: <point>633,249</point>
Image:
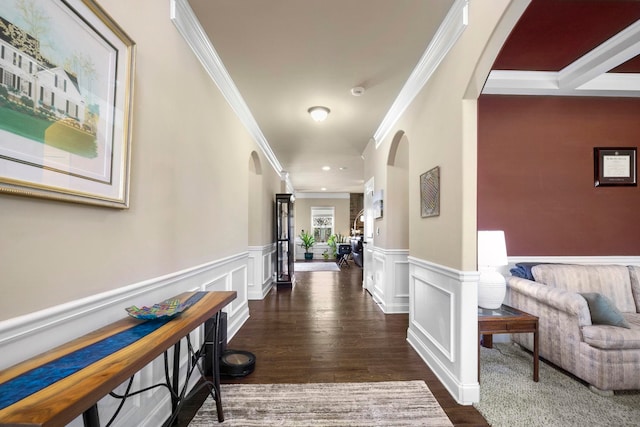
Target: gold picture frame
<point>65,112</point>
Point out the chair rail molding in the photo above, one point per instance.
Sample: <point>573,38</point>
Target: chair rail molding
<point>29,335</point>
<point>443,325</point>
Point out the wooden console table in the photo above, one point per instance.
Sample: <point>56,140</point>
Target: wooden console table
<point>506,320</point>
<point>77,394</point>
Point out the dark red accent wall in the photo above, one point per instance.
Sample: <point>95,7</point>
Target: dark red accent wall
<point>536,179</point>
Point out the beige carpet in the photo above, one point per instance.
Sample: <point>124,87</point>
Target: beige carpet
<point>510,397</point>
<point>316,266</point>
<point>389,403</point>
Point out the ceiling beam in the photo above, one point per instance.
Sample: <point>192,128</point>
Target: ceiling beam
<point>587,76</point>
<point>613,52</point>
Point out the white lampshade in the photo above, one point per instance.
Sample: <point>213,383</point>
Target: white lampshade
<point>319,114</point>
<point>492,249</point>
<point>492,252</point>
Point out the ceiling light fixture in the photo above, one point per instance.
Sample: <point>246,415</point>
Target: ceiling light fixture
<point>357,91</point>
<point>326,168</point>
<point>319,113</point>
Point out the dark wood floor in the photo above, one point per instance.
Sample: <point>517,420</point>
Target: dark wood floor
<point>327,329</point>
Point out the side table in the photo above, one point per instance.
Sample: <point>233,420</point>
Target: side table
<point>506,320</point>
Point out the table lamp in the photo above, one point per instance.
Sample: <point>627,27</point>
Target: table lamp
<point>492,253</point>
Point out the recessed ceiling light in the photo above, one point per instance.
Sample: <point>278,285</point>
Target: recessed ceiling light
<point>319,113</point>
<point>323,189</point>
<point>326,168</point>
<point>343,168</point>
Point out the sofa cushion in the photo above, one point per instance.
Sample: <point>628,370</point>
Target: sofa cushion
<point>603,310</point>
<point>614,338</point>
<point>634,273</point>
<point>612,281</point>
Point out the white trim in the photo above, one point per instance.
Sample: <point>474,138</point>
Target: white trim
<point>587,76</point>
<point>621,260</point>
<point>390,270</point>
<point>448,33</point>
<point>323,195</point>
<point>260,271</point>
<point>189,27</point>
<point>26,336</point>
<point>443,325</point>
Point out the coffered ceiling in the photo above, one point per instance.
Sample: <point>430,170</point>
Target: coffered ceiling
<point>283,56</point>
<point>571,47</point>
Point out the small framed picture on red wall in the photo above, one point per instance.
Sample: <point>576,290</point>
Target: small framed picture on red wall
<point>615,166</point>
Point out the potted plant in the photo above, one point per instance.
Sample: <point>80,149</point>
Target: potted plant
<point>307,243</point>
<point>332,241</point>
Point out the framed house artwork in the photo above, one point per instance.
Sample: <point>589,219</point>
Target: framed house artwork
<point>66,84</point>
<point>430,193</point>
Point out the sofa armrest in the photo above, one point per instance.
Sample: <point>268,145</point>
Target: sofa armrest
<point>571,303</point>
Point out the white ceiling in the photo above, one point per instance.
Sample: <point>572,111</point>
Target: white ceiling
<point>273,59</point>
<point>285,56</point>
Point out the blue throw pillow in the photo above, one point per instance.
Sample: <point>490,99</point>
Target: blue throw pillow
<point>603,311</point>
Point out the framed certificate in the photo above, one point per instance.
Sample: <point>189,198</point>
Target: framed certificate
<point>615,166</point>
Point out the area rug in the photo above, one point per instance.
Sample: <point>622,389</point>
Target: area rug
<point>510,397</point>
<point>389,403</point>
<point>316,266</point>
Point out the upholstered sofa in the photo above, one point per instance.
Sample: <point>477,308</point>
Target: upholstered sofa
<point>606,357</point>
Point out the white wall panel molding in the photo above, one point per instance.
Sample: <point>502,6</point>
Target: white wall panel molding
<point>391,280</point>
<point>443,325</point>
<point>26,336</point>
<point>260,271</point>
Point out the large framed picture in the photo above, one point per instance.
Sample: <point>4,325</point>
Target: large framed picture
<point>615,166</point>
<point>430,193</point>
<point>66,85</point>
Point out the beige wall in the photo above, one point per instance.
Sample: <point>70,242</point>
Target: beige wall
<point>303,213</point>
<point>189,186</point>
<point>440,127</point>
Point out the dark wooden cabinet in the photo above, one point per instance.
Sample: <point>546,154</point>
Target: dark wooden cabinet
<point>284,230</point>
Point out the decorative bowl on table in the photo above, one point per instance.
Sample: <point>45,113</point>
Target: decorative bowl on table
<point>162,310</point>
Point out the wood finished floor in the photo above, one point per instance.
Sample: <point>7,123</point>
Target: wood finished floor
<point>328,329</point>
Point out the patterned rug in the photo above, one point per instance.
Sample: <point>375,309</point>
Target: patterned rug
<point>510,397</point>
<point>389,403</point>
<point>316,266</point>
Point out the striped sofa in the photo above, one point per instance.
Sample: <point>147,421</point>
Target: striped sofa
<point>606,357</point>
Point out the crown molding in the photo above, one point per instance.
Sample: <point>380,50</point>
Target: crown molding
<point>322,195</point>
<point>448,33</point>
<point>586,76</point>
<point>189,27</point>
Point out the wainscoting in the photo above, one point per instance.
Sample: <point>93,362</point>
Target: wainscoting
<point>443,325</point>
<point>32,334</point>
<point>260,271</point>
<point>390,279</point>
<point>443,318</point>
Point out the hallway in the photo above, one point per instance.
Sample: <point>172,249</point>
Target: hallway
<point>327,329</point>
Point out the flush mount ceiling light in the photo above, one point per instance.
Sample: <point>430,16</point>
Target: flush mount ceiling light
<point>326,168</point>
<point>318,113</point>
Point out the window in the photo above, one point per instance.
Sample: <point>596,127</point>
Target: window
<point>322,223</point>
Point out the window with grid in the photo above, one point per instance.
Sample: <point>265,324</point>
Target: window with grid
<point>322,223</point>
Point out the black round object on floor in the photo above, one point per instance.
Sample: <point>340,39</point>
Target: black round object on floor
<point>237,363</point>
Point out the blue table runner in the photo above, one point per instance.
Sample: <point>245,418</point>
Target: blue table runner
<point>43,376</point>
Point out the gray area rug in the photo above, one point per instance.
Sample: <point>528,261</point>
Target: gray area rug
<point>510,397</point>
<point>389,403</point>
<point>316,266</point>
